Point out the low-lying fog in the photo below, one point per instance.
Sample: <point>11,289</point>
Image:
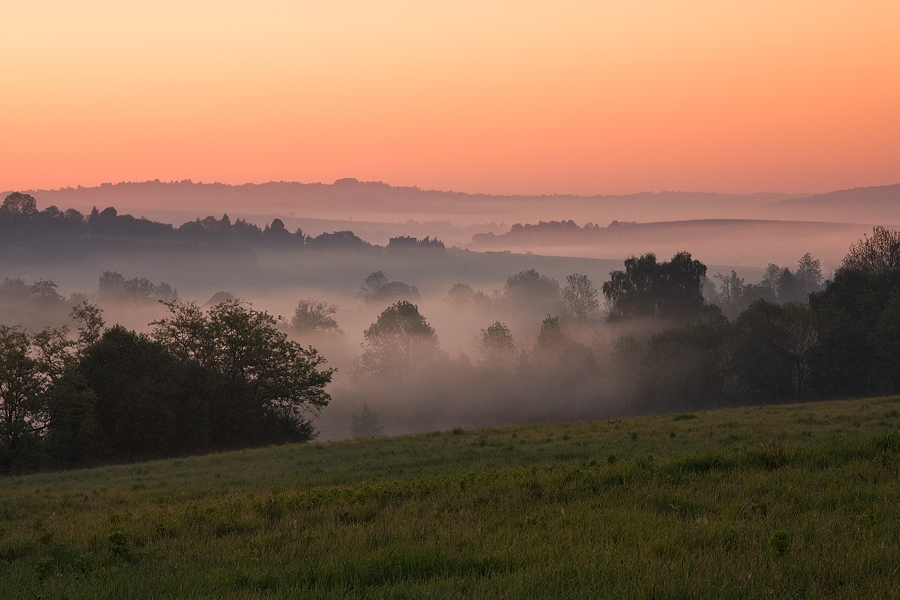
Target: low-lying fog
<point>458,389</point>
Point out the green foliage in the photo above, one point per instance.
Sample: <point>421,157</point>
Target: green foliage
<point>691,365</point>
<point>24,380</point>
<point>244,348</point>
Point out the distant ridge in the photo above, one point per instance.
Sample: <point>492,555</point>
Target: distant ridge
<point>879,204</point>
<point>376,201</point>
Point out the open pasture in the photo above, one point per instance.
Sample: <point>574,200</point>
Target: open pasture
<point>788,501</point>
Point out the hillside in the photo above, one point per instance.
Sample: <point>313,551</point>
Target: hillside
<point>879,204</point>
<point>778,501</point>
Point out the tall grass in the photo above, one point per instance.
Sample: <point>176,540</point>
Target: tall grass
<point>784,501</point>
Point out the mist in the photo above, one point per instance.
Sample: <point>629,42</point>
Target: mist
<point>567,369</point>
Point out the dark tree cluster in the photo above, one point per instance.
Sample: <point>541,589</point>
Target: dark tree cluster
<point>669,290</point>
<point>407,243</point>
<point>842,342</point>
<point>22,224</point>
<point>674,351</point>
<point>202,381</point>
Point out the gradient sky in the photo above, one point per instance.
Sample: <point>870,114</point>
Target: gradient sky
<point>502,97</point>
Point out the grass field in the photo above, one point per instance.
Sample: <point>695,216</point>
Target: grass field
<point>791,501</point>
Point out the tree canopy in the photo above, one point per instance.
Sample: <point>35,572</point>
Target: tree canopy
<point>646,288</point>
<point>398,341</point>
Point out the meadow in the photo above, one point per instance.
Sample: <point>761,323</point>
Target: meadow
<point>786,501</point>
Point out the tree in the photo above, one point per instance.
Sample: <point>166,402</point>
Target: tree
<point>496,344</point>
<point>18,205</point>
<point>579,298</point>
<point>530,291</point>
<point>315,317</point>
<point>396,343</point>
<point>24,381</point>
<point>551,336</point>
<point>876,255</point>
<point>461,296</point>
<point>141,391</point>
<point>246,351</point>
<point>115,287</point>
<point>377,288</point>
<point>646,288</point>
<point>90,323</point>
<point>761,360</point>
<point>800,336</point>
<point>734,296</point>
<point>809,274</point>
<point>691,364</point>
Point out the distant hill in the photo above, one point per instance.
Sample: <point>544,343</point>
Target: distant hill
<point>377,211</point>
<point>880,204</point>
<point>350,199</point>
<point>379,202</point>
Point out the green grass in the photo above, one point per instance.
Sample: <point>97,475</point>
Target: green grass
<point>794,501</point>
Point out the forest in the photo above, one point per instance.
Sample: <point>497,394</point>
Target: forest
<point>657,336</point>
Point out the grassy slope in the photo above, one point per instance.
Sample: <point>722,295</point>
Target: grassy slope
<point>785,501</point>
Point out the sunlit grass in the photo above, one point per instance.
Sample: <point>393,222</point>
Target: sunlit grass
<point>779,501</point>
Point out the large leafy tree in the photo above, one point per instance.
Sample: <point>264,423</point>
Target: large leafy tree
<point>396,343</point>
<point>246,351</point>
<point>30,365</point>
<point>876,255</point>
<point>646,288</point>
<point>315,317</point>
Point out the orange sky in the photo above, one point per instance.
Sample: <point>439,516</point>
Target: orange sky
<point>502,97</point>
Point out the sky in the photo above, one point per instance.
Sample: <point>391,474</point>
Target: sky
<point>601,97</point>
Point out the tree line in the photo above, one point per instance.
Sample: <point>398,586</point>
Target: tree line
<point>22,224</point>
<point>664,343</point>
<point>231,377</point>
<point>201,381</point>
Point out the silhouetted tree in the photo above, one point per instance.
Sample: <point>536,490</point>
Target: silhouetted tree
<point>245,350</point>
<point>530,291</point>
<point>377,289</point>
<point>580,299</point>
<point>397,343</point>
<point>876,255</point>
<point>315,317</point>
<point>113,286</point>
<point>496,344</point>
<point>646,288</point>
<point>461,296</point>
